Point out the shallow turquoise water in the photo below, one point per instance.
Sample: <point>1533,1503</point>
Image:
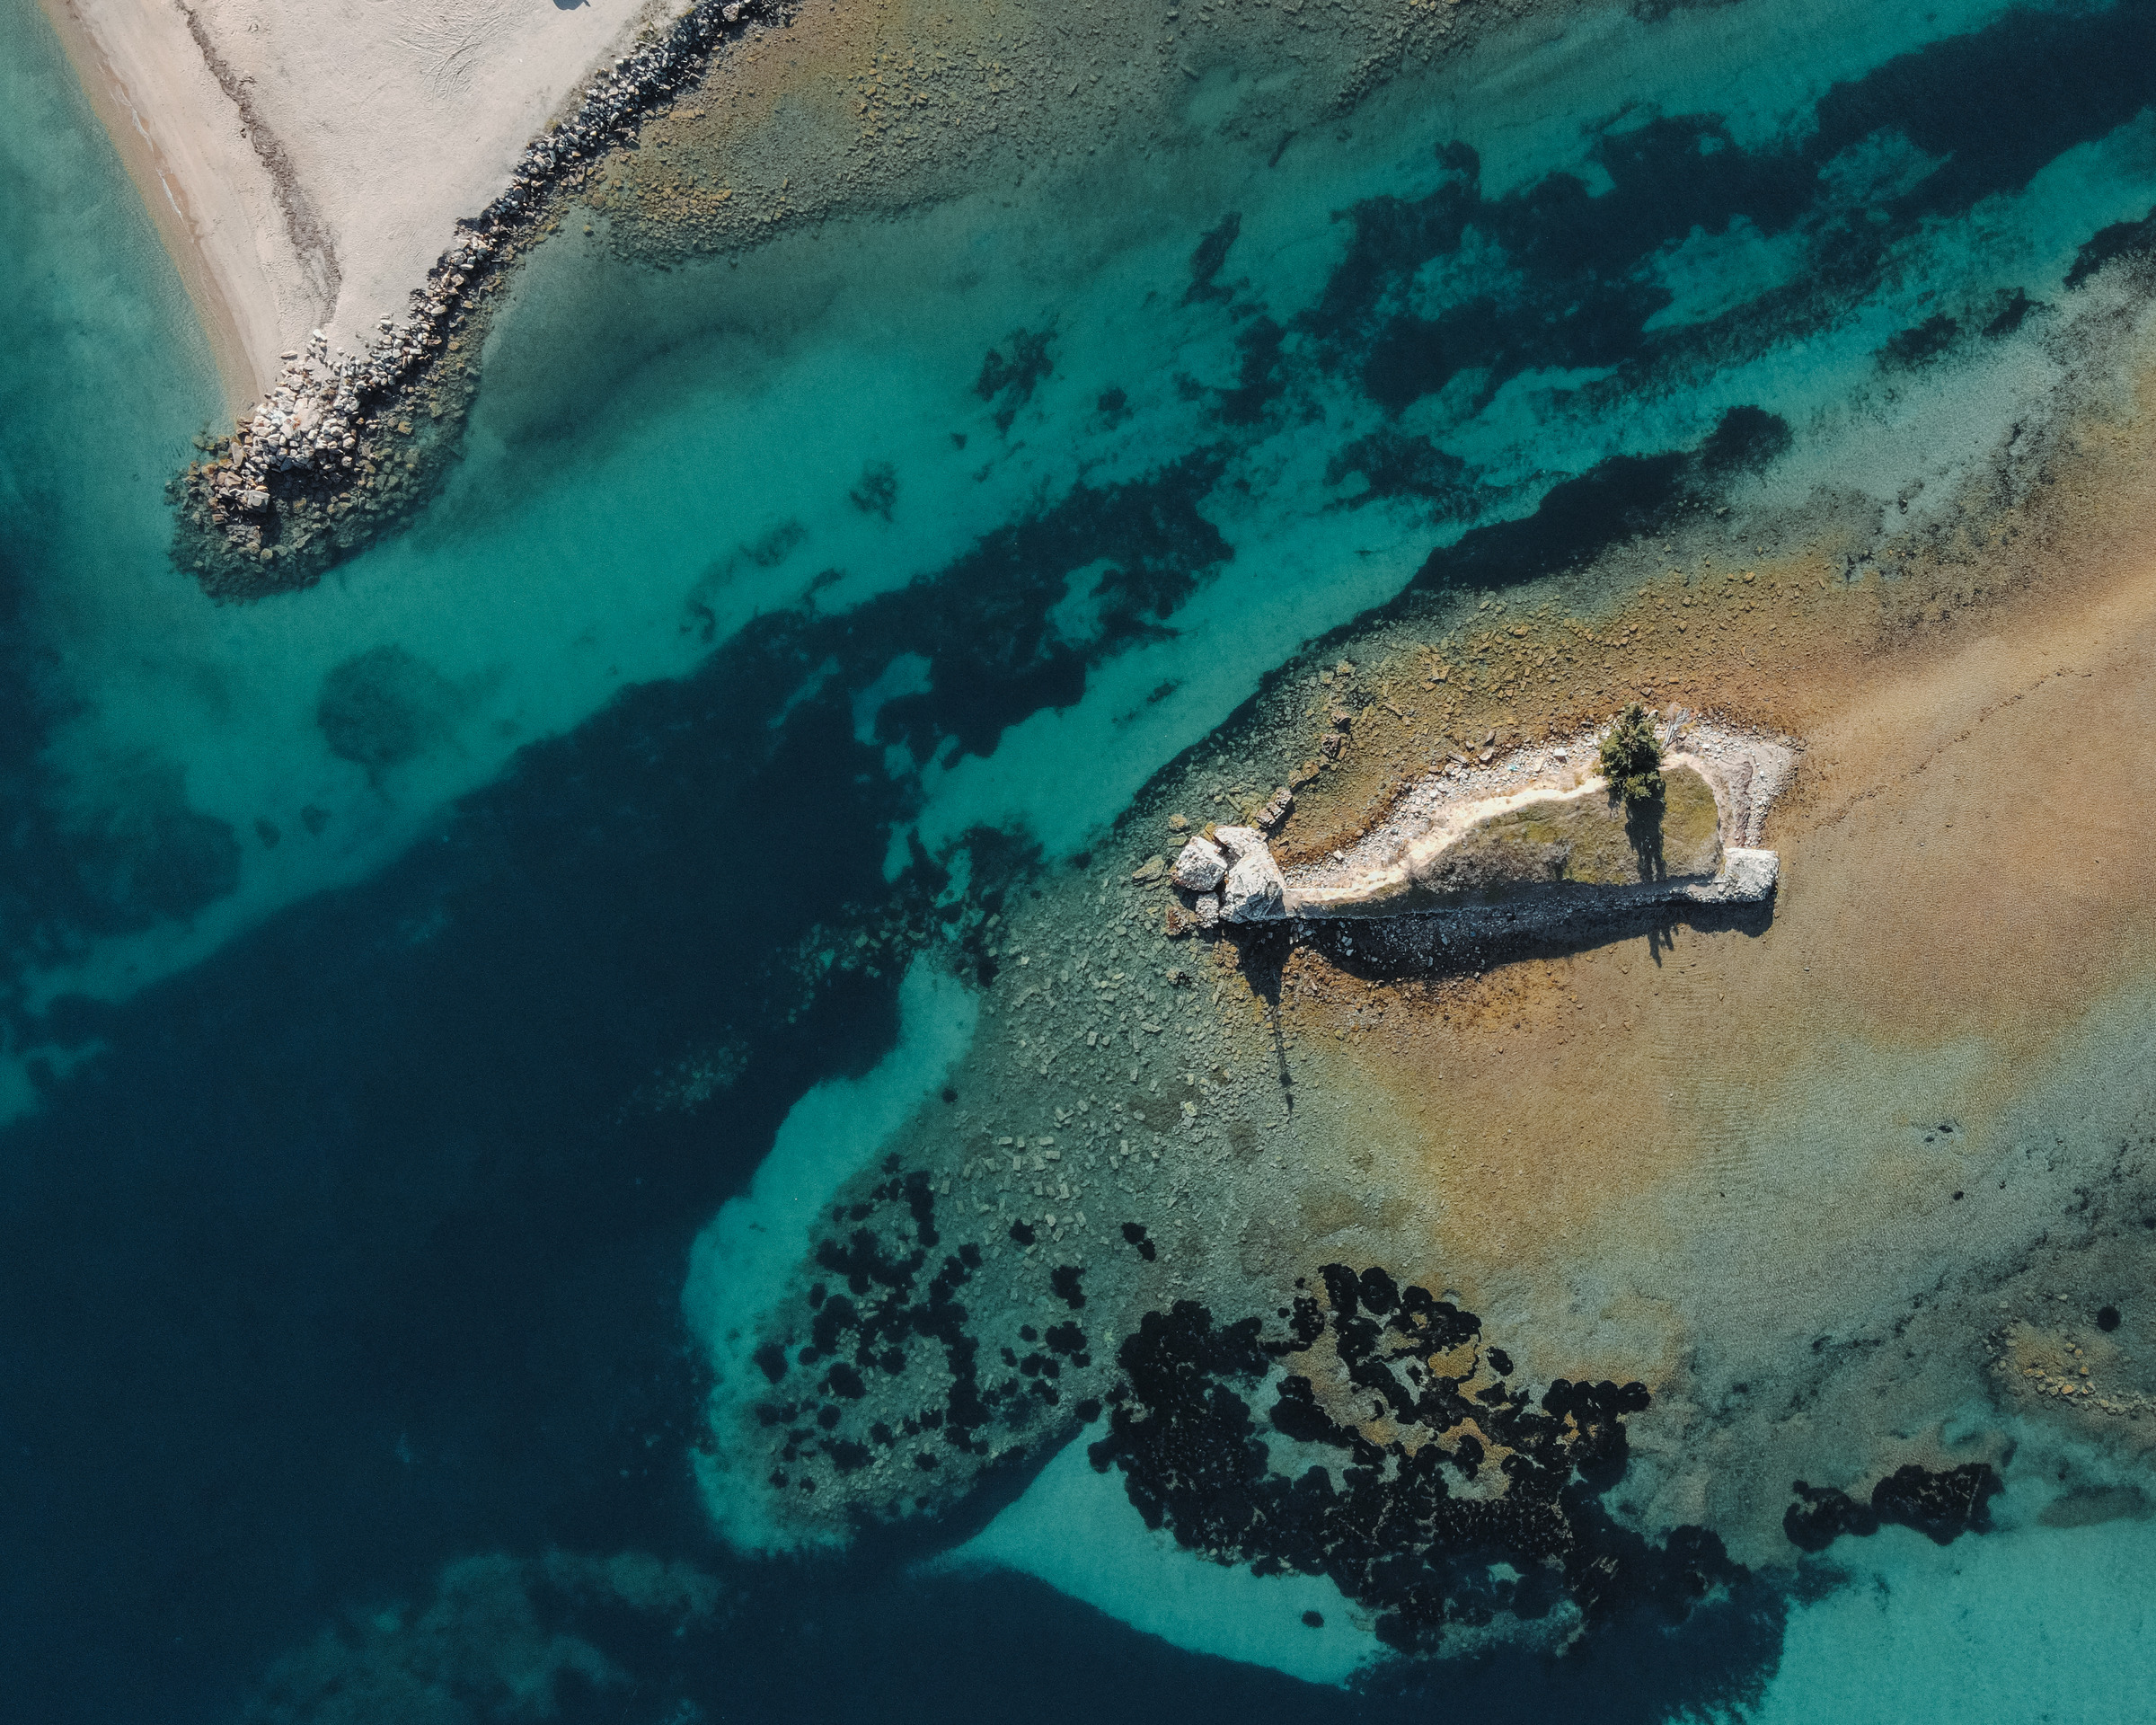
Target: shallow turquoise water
<point>344,1246</point>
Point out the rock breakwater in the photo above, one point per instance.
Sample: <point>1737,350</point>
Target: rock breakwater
<point>262,511</point>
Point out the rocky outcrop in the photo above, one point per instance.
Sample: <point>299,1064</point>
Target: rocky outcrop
<point>1201,867</point>
<point>1550,843</point>
<point>1254,891</point>
<point>1535,840</point>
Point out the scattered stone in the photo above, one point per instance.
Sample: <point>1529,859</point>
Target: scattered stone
<point>1411,1528</point>
<point>1150,869</point>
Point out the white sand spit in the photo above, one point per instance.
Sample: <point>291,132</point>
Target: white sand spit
<point>308,161</point>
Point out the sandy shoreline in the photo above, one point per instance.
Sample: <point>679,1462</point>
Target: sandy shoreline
<point>305,170</point>
<point>191,182</point>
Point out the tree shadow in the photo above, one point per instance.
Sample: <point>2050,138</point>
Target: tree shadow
<point>1262,951</point>
<point>1643,833</point>
<point>1432,945</point>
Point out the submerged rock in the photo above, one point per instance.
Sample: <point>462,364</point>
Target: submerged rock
<point>1941,1505</point>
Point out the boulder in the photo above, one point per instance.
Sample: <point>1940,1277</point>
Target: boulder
<point>1254,891</point>
<point>1748,877</point>
<point>1200,866</point>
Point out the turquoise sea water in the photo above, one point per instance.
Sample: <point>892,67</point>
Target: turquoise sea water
<point>361,944</point>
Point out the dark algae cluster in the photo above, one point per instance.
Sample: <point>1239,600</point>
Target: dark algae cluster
<point>1438,1485</point>
<point>1941,1505</point>
<point>1398,1455</point>
<point>891,1365</point>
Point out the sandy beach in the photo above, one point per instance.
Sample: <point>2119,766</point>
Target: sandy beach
<point>305,165</point>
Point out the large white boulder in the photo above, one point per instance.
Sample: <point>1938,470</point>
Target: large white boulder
<point>1200,866</point>
<point>1254,891</point>
<point>1748,877</point>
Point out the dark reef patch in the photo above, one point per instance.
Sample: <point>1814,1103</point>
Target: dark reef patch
<point>1612,501</point>
<point>383,707</point>
<point>1391,1532</point>
<point>146,853</point>
<point>1566,282</point>
<point>983,621</point>
<point>1008,383</point>
<point>1942,1506</point>
<point>2132,239</point>
<point>1921,343</point>
<point>1206,260</point>
<point>1395,464</point>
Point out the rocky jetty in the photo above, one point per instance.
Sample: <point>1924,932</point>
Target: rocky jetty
<point>314,423</point>
<point>1563,834</point>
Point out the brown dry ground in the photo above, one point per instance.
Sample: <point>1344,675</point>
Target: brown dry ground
<point>1964,871</point>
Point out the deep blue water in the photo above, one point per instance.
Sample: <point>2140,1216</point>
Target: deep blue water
<point>340,1244</point>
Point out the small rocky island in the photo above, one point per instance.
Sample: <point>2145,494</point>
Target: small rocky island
<point>1573,826</point>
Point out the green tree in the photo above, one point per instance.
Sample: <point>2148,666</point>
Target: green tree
<point>1631,756</point>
